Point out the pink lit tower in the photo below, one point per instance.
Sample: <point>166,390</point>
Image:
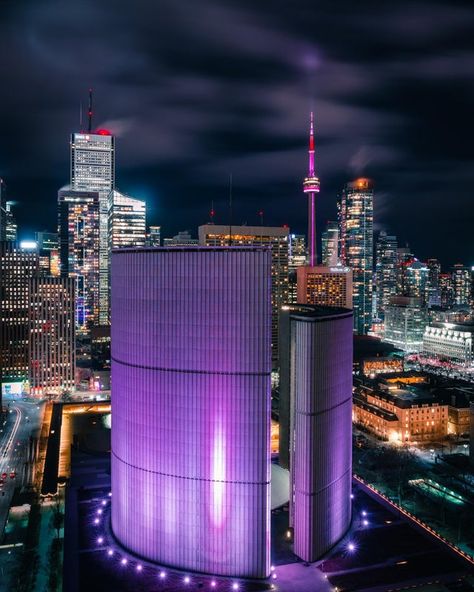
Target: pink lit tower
<point>311,188</point>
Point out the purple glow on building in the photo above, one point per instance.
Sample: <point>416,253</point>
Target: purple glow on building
<point>321,427</point>
<point>191,366</point>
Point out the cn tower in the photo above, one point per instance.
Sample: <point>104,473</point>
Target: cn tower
<point>311,188</point>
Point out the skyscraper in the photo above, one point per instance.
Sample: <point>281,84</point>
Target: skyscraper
<point>17,266</point>
<point>297,255</point>
<point>48,250</point>
<point>11,230</point>
<point>356,218</point>
<point>316,423</point>
<point>153,237</point>
<point>385,270</point>
<point>416,280</point>
<point>191,366</point>
<point>311,188</point>
<point>275,237</point>
<point>325,286</point>
<point>433,288</point>
<point>405,322</point>
<point>446,289</point>
<point>3,211</point>
<point>330,244</point>
<point>127,221</point>
<point>51,335</point>
<point>93,170</point>
<point>462,284</point>
<point>78,224</point>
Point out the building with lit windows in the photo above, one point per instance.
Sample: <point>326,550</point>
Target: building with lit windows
<point>462,282</point>
<point>330,245</point>
<point>325,286</point>
<point>316,350</point>
<point>416,280</point>
<point>405,322</point>
<point>433,296</point>
<point>182,239</point>
<point>450,341</point>
<point>274,237</point>
<point>78,224</point>
<point>399,411</point>
<point>48,251</point>
<point>385,270</point>
<point>127,221</point>
<point>446,289</point>
<point>93,170</point>
<point>297,255</point>
<point>356,219</point>
<point>18,265</point>
<point>3,211</point>
<point>191,469</point>
<point>153,237</point>
<point>51,344</point>
<point>11,231</point>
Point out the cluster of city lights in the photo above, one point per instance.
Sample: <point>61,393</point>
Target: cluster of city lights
<point>162,574</point>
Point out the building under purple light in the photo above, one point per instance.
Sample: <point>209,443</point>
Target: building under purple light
<point>191,365</point>
<point>315,412</point>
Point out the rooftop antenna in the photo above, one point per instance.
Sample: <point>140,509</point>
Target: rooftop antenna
<point>89,112</point>
<point>80,115</point>
<point>230,209</point>
<point>212,213</point>
<point>260,213</point>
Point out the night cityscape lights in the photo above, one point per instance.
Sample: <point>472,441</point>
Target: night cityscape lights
<point>209,381</point>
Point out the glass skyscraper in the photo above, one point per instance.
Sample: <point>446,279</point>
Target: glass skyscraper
<point>356,219</point>
<point>93,169</point>
<point>385,270</point>
<point>127,221</point>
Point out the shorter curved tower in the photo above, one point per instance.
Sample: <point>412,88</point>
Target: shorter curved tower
<point>318,418</point>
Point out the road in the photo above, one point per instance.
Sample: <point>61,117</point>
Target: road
<point>23,420</point>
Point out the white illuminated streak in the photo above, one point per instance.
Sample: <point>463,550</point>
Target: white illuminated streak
<point>218,475</point>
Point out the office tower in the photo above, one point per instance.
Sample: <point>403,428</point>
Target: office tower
<point>405,322</point>
<point>296,258</point>
<point>78,224</point>
<point>404,256</point>
<point>191,367</point>
<point>3,211</point>
<point>446,289</point>
<point>461,284</point>
<point>93,170</point>
<point>275,237</point>
<point>325,286</point>
<point>316,423</point>
<point>153,237</point>
<point>385,270</point>
<point>182,239</point>
<point>11,231</point>
<point>311,188</point>
<point>48,251</point>
<point>356,218</point>
<point>433,296</point>
<point>330,245</point>
<point>416,280</point>
<point>127,221</point>
<point>17,266</point>
<point>51,335</point>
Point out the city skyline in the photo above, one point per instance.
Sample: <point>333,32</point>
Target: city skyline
<point>183,125</point>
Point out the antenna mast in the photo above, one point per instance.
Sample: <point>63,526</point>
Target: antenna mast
<point>89,112</point>
<point>230,209</point>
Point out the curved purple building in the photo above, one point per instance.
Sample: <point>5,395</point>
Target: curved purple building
<point>191,367</point>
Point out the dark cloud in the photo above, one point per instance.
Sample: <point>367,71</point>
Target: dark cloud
<point>196,90</point>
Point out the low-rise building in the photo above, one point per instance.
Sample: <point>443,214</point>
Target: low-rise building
<point>449,341</point>
<point>405,321</point>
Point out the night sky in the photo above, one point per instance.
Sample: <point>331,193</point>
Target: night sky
<point>197,89</point>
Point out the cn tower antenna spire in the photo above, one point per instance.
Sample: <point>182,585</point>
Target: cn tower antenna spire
<point>89,111</point>
<point>311,188</point>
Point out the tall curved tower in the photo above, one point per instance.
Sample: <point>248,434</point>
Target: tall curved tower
<point>191,365</point>
<point>311,188</point>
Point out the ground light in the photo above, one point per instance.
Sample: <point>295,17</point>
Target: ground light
<point>351,547</point>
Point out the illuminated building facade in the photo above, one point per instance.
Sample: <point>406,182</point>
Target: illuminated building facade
<point>446,289</point>
<point>405,322</point>
<point>330,245</point>
<point>127,221</point>
<point>48,251</point>
<point>450,341</point>
<point>385,270</point>
<point>153,237</point>
<point>11,230</point>
<point>191,368</point>
<point>461,284</point>
<point>404,256</point>
<point>356,219</point>
<point>276,238</point>
<point>395,413</point>
<point>93,170</point>
<point>297,255</point>
<point>78,223</point>
<point>433,296</point>
<point>51,335</point>
<point>17,266</point>
<point>3,211</point>
<point>311,189</point>
<point>416,280</point>
<point>315,424</point>
<point>325,286</point>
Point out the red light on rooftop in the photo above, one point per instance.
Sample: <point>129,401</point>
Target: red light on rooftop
<point>103,132</point>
